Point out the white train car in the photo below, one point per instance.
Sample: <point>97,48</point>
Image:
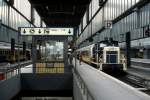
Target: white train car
<point>87,53</point>
<point>104,56</point>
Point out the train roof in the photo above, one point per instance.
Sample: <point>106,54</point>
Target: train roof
<point>109,42</point>
<point>102,44</point>
<point>87,47</point>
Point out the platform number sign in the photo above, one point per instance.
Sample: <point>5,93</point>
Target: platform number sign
<point>108,24</point>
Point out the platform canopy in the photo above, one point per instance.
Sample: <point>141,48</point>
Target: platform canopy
<point>64,13</point>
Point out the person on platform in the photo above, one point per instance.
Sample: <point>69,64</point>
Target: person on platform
<point>70,58</point>
<point>80,58</point>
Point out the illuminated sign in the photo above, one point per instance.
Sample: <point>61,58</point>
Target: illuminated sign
<point>46,31</point>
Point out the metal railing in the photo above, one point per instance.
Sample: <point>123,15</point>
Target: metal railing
<point>86,94</point>
<point>9,70</point>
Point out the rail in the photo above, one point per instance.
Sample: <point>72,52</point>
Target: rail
<point>139,72</point>
<point>9,70</point>
<point>87,95</point>
<point>145,63</point>
<point>141,81</point>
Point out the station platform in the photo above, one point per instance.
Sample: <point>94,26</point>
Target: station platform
<point>104,87</point>
<point>141,60</point>
<point>140,68</point>
<point>40,38</point>
<point>145,63</point>
<point>88,84</point>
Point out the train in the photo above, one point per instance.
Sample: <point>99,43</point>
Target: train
<point>6,55</point>
<point>105,55</point>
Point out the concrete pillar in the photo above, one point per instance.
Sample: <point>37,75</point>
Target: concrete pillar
<point>32,14</point>
<point>33,51</point>
<point>147,54</point>
<point>66,54</point>
<point>13,50</point>
<point>128,49</point>
<point>24,48</point>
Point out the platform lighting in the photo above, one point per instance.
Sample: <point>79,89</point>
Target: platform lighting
<point>47,8</point>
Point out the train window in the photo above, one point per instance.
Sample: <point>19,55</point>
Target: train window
<point>111,52</point>
<point>111,57</point>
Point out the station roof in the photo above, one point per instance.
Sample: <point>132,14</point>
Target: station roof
<point>61,13</point>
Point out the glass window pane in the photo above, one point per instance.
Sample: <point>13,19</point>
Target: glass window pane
<point>50,51</point>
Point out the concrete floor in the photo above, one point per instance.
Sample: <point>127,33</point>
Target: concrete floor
<point>46,98</point>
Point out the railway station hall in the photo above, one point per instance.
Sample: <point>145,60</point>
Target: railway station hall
<point>74,49</point>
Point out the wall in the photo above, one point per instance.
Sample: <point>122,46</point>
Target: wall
<point>46,82</point>
<point>10,88</point>
<point>55,84</point>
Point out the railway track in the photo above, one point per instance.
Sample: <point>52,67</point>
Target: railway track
<point>136,82</point>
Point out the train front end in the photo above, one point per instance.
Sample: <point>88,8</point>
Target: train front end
<point>112,59</point>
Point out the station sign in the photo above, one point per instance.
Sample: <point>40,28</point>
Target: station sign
<point>46,31</point>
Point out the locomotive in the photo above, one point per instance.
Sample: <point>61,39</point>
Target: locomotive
<point>105,55</point>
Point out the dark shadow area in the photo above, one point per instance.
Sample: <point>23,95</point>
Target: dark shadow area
<point>62,93</point>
